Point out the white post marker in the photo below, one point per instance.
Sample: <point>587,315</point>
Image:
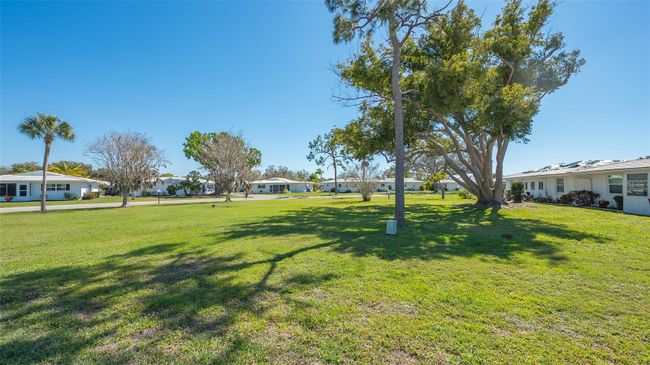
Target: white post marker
<point>391,227</point>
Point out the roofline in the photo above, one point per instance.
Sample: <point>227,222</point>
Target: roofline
<point>574,172</point>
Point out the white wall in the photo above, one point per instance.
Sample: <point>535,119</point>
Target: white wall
<point>598,183</point>
<point>294,188</point>
<point>635,204</point>
<point>75,188</point>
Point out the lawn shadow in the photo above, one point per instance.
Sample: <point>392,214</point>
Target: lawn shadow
<point>58,314</point>
<point>72,309</point>
<point>433,231</point>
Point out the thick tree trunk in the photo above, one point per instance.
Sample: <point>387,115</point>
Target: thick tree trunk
<point>46,161</point>
<point>399,127</point>
<point>125,198</point>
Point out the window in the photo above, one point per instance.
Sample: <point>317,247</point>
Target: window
<point>261,186</point>
<point>22,191</point>
<point>559,185</point>
<point>615,183</point>
<point>59,187</point>
<point>7,189</point>
<point>526,185</point>
<point>637,184</point>
<point>540,185</point>
<point>532,185</point>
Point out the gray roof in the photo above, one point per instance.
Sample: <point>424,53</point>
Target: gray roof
<point>389,180</point>
<point>585,167</point>
<point>279,180</point>
<point>37,176</point>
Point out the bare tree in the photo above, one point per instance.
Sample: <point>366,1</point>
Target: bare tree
<point>364,177</point>
<point>327,149</point>
<point>247,178</point>
<point>128,159</point>
<point>229,161</point>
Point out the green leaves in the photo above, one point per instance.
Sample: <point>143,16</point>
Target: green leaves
<point>47,127</point>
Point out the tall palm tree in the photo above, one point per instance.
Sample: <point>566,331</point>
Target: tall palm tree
<point>47,127</point>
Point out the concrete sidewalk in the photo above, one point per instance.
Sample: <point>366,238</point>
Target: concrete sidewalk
<point>36,208</point>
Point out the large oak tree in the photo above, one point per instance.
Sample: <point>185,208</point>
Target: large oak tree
<point>470,92</point>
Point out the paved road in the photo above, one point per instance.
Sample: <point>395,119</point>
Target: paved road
<point>36,208</point>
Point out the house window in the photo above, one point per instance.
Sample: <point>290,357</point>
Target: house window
<point>540,185</point>
<point>261,186</point>
<point>7,189</point>
<point>339,185</point>
<point>526,185</point>
<point>615,183</point>
<point>532,185</point>
<point>559,185</point>
<point>59,187</point>
<point>22,191</point>
<point>637,184</point>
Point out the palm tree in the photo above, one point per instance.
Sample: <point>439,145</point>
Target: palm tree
<point>46,127</point>
<point>70,168</point>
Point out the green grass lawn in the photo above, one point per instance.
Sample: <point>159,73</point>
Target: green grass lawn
<point>317,281</point>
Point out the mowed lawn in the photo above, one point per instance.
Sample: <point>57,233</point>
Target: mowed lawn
<point>317,281</point>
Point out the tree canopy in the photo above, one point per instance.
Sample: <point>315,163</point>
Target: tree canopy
<point>469,92</point>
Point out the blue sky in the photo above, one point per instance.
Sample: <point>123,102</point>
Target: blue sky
<point>262,69</point>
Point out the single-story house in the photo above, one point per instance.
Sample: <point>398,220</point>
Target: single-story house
<point>27,186</point>
<point>279,184</point>
<point>450,185</point>
<point>159,186</point>
<point>607,178</point>
<point>345,185</point>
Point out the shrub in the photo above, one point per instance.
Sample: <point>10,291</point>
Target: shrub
<point>464,194</point>
<point>333,190</point>
<point>603,203</point>
<point>172,189</point>
<point>348,191</point>
<point>581,198</point>
<point>543,199</point>
<point>285,191</point>
<point>619,202</point>
<point>9,198</point>
<point>70,196</point>
<point>90,195</point>
<point>516,191</point>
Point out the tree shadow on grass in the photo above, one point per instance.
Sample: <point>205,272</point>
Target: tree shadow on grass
<point>433,232</point>
<point>53,315</point>
<point>120,309</point>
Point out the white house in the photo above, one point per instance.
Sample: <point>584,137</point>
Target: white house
<point>27,186</point>
<point>450,185</point>
<point>279,184</point>
<point>607,178</point>
<point>161,184</point>
<point>345,185</point>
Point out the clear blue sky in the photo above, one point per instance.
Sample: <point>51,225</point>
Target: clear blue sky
<point>263,69</point>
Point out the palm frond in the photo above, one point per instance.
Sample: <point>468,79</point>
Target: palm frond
<point>64,131</point>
